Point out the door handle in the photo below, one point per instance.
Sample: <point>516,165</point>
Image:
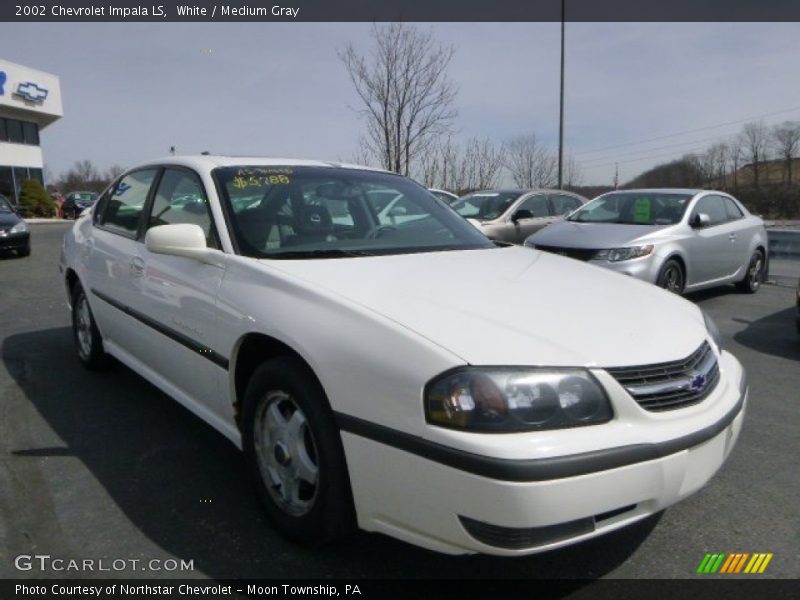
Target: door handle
<point>732,237</point>
<point>137,266</point>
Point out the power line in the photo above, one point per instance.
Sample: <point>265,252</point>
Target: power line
<point>632,160</point>
<point>636,152</point>
<point>672,135</point>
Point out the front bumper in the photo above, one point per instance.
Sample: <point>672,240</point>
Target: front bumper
<point>532,504</point>
<point>15,241</point>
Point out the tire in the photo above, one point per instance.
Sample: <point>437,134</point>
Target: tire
<point>754,276</point>
<point>24,251</point>
<point>87,338</point>
<point>671,277</point>
<point>294,451</point>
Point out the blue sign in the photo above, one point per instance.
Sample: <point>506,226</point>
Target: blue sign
<point>31,91</point>
<point>2,82</point>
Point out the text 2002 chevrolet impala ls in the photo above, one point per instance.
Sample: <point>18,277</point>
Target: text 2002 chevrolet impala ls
<point>413,377</point>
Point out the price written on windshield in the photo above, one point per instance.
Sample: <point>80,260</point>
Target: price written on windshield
<point>259,181</point>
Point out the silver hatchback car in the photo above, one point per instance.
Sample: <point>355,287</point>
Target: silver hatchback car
<point>513,215</point>
<point>681,240</point>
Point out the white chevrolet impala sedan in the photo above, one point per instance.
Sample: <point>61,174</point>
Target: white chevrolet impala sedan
<point>406,376</point>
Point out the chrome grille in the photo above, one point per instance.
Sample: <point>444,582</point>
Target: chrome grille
<point>671,385</point>
<point>576,253</point>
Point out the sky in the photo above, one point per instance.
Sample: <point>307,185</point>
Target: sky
<point>132,90</point>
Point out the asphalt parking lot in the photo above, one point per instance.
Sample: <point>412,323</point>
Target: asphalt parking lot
<point>106,466</point>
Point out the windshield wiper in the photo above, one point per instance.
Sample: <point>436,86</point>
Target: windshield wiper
<point>319,253</point>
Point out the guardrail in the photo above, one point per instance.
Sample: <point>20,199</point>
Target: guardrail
<point>784,243</point>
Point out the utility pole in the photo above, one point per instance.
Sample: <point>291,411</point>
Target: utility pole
<point>561,108</point>
<point>616,175</point>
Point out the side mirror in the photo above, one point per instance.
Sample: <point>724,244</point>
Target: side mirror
<point>398,211</point>
<point>522,213</point>
<point>182,239</point>
<point>701,220</point>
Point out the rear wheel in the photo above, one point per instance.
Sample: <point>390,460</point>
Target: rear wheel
<point>294,451</point>
<point>754,276</point>
<point>671,277</point>
<point>88,342</point>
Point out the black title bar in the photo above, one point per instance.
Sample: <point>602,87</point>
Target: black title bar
<point>400,10</point>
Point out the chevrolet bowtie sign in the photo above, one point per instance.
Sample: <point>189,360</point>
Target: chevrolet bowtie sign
<point>31,91</point>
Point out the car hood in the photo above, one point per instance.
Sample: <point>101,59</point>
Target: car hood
<point>8,219</point>
<point>598,236</point>
<point>515,306</point>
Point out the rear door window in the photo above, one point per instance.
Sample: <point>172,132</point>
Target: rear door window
<point>734,212</point>
<point>537,205</point>
<point>563,204</point>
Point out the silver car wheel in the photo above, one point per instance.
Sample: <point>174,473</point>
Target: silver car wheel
<point>673,279</point>
<point>755,274</point>
<point>286,453</point>
<point>83,327</point>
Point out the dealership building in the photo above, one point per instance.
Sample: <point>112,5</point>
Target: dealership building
<point>30,100</point>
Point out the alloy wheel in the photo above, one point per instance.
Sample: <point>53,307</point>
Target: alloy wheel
<point>83,327</point>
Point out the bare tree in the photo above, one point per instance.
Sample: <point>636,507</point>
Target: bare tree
<point>573,174</point>
<point>530,163</point>
<point>735,156</point>
<point>755,139</point>
<point>481,164</point>
<point>406,95</point>
<point>786,143</point>
<point>714,164</point>
<point>362,155</point>
<point>113,172</point>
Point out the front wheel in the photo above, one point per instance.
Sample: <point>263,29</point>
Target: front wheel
<point>294,451</point>
<point>754,276</point>
<point>671,277</point>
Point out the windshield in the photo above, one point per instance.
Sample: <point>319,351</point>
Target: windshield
<point>4,205</point>
<point>322,212</point>
<point>485,206</point>
<point>634,208</point>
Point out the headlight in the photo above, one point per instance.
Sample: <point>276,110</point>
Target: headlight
<point>618,254</point>
<point>20,227</point>
<point>713,330</point>
<point>515,399</point>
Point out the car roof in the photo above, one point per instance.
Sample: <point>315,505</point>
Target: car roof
<point>687,191</point>
<point>212,161</point>
<point>521,191</point>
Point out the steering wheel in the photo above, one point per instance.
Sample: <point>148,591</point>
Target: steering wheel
<point>376,231</point>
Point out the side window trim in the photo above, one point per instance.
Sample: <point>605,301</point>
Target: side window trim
<point>228,218</point>
<point>145,225</point>
<point>102,201</point>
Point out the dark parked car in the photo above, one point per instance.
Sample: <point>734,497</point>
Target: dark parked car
<point>76,202</point>
<point>14,232</point>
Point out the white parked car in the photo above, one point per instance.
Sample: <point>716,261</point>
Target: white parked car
<point>413,378</point>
